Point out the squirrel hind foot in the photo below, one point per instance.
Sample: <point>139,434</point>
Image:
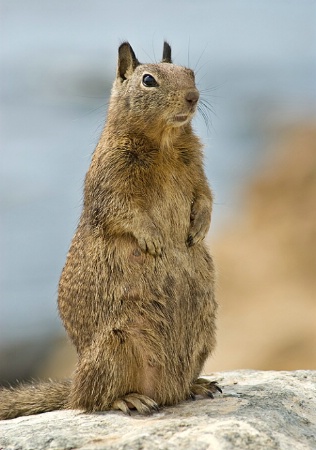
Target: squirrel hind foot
<point>143,404</point>
<point>204,387</point>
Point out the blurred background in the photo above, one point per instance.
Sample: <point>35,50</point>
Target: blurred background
<point>255,63</point>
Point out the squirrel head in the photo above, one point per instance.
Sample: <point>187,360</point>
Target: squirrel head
<point>151,97</point>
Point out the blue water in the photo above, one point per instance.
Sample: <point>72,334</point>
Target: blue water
<point>255,63</point>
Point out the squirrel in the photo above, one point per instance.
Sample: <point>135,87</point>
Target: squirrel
<point>136,295</point>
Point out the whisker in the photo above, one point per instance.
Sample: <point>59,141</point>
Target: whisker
<point>199,59</point>
<point>189,52</point>
<point>206,110</point>
<point>200,68</point>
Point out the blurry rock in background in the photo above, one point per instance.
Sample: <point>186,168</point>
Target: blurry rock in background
<point>266,262</point>
<point>49,357</point>
<point>60,362</point>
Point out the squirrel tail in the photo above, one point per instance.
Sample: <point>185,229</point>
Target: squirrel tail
<point>35,398</point>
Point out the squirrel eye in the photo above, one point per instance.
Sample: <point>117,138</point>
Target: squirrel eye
<point>149,81</point>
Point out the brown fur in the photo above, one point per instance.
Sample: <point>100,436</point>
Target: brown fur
<point>136,295</point>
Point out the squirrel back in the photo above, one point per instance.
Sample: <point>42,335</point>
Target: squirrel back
<point>136,295</point>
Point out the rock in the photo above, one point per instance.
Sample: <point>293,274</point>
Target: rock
<point>257,410</point>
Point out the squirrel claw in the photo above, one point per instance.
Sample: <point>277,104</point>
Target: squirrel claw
<point>204,387</point>
<point>152,246</point>
<point>190,241</point>
<point>120,404</point>
<point>217,387</point>
<point>196,236</point>
<point>143,404</point>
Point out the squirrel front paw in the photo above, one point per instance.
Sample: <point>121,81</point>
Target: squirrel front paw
<point>150,240</point>
<point>200,220</point>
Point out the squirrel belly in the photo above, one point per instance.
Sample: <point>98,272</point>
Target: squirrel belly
<point>136,295</point>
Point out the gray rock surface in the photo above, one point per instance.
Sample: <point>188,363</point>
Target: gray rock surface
<point>257,410</point>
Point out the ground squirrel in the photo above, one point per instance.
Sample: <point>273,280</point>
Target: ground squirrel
<point>136,295</point>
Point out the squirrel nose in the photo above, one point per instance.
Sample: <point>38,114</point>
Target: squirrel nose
<point>192,97</point>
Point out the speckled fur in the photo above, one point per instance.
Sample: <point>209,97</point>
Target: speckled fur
<point>136,295</point>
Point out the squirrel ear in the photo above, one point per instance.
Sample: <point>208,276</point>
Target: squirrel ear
<point>166,55</point>
<point>127,61</point>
